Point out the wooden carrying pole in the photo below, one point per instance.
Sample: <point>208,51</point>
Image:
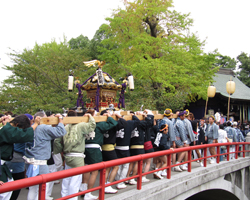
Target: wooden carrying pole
<point>76,120</point>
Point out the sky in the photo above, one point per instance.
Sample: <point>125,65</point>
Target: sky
<point>222,23</point>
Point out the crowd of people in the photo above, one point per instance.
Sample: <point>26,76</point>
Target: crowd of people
<point>28,148</point>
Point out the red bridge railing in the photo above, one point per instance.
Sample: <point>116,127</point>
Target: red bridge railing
<point>41,180</point>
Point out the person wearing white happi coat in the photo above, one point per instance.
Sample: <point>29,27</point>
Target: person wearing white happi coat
<point>211,136</point>
<point>181,139</point>
<point>189,131</point>
<point>166,120</point>
<point>240,137</point>
<point>232,136</point>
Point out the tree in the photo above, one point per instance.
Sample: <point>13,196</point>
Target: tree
<point>96,42</point>
<point>225,62</point>
<point>81,43</point>
<point>153,42</point>
<point>244,68</point>
<point>90,47</point>
<point>40,77</point>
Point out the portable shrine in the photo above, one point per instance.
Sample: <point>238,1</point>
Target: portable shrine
<point>101,89</point>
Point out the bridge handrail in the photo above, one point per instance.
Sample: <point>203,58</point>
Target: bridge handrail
<point>41,180</point>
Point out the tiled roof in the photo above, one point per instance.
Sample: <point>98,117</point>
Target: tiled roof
<point>242,92</point>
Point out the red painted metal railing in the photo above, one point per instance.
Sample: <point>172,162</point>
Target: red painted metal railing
<point>41,180</point>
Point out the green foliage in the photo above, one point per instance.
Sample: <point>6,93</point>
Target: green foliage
<point>95,43</point>
<point>155,45</point>
<point>40,77</point>
<point>225,62</point>
<point>147,39</point>
<point>244,67</point>
<point>91,48</point>
<point>144,94</point>
<point>81,42</point>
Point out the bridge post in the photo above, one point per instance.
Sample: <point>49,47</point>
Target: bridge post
<point>247,183</point>
<point>205,156</point>
<point>102,183</point>
<point>169,165</point>
<point>232,174</point>
<point>244,147</point>
<point>139,179</point>
<point>218,157</point>
<point>42,191</point>
<point>228,151</point>
<point>243,171</point>
<point>189,160</point>
<point>236,151</point>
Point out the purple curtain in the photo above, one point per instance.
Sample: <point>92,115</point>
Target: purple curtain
<point>80,96</point>
<point>97,98</point>
<point>122,96</point>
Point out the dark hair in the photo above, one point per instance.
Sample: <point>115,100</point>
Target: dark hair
<point>80,114</point>
<point>8,113</point>
<point>72,113</point>
<point>73,108</point>
<point>48,113</point>
<point>21,121</point>
<point>229,123</point>
<point>91,111</point>
<point>163,126</point>
<point>103,112</point>
<point>191,115</point>
<point>221,126</point>
<point>225,124</point>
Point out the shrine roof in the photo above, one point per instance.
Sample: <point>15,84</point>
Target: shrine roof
<point>109,83</point>
<point>242,92</point>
